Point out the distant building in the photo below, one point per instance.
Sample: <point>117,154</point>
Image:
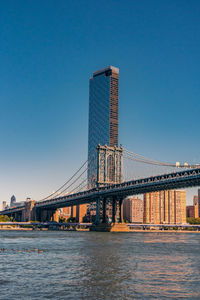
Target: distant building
<point>195,200</point>
<point>79,212</point>
<point>190,212</point>
<point>4,205</point>
<point>12,201</point>
<point>65,213</point>
<point>133,210</point>
<point>198,203</point>
<point>165,207</point>
<point>196,206</point>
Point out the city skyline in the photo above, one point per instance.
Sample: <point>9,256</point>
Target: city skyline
<point>44,86</point>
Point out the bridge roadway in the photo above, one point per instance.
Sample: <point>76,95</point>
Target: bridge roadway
<point>182,179</point>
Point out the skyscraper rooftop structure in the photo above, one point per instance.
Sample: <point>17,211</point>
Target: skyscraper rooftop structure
<point>103,113</point>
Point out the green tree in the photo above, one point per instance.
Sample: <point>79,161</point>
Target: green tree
<point>193,221</point>
<point>4,219</point>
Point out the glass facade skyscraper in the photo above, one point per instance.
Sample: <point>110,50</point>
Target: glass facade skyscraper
<point>103,114</point>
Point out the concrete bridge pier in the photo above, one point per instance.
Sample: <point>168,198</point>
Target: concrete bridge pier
<point>117,224</point>
<point>117,220</point>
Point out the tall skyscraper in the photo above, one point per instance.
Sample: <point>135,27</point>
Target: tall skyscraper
<point>103,114</point>
<point>165,207</point>
<point>12,201</point>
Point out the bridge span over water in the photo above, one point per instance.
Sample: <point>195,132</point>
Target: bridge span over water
<point>114,192</point>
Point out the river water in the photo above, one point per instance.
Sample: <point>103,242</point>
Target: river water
<point>89,265</point>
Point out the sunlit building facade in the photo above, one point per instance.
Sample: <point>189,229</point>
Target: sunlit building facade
<point>196,206</point>
<point>193,210</point>
<point>198,203</point>
<point>133,210</point>
<point>165,207</point>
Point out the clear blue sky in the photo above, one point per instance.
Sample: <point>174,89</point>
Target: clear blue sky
<point>48,51</point>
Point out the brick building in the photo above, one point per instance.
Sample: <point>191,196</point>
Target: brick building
<point>133,210</point>
<point>165,207</point>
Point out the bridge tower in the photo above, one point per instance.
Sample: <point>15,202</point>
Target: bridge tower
<point>109,171</point>
<point>109,165</point>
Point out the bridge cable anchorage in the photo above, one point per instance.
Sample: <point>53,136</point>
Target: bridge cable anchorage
<point>56,192</point>
<point>140,158</point>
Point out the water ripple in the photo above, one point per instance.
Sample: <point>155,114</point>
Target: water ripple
<point>74,265</point>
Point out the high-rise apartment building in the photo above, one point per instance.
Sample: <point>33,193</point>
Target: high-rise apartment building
<point>165,207</point>
<point>133,210</point>
<point>103,114</point>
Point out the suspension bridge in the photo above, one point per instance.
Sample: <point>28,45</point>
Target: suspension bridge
<point>107,186</point>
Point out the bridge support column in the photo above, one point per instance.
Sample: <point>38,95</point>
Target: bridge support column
<point>97,211</point>
<point>38,215</point>
<point>18,217</point>
<point>121,210</point>
<point>74,212</point>
<point>117,210</point>
<point>104,211</point>
<point>48,216</point>
<point>113,210</point>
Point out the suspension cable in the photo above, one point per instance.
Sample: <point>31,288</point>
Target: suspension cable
<point>149,162</point>
<point>54,193</point>
<point>77,186</point>
<point>89,165</point>
<point>140,158</point>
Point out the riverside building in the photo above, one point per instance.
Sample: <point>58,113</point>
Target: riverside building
<point>133,210</point>
<point>193,210</point>
<point>165,207</point>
